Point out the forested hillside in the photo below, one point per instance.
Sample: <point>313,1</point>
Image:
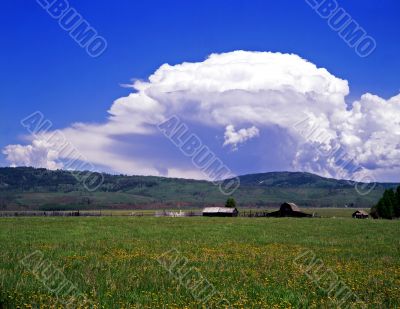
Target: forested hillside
<point>29,188</point>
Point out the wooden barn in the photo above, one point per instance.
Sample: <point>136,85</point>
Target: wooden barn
<point>220,212</point>
<point>289,210</point>
<point>360,214</point>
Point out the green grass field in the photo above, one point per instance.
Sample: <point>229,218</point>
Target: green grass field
<point>113,261</point>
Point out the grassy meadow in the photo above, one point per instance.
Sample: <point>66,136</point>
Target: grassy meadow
<point>113,261</point>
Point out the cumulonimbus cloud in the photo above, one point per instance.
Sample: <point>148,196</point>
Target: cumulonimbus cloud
<point>266,95</point>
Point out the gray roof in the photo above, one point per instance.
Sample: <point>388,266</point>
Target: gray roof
<point>361,212</point>
<point>293,206</point>
<point>225,210</point>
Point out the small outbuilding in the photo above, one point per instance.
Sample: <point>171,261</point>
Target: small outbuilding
<point>220,212</point>
<point>360,214</point>
<point>289,210</point>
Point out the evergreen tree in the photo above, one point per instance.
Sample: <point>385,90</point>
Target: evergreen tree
<point>230,202</point>
<point>388,202</point>
<point>397,203</point>
<point>379,208</point>
<point>374,212</point>
<point>387,206</point>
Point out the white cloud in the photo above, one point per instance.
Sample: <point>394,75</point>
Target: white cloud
<point>39,154</point>
<point>234,138</point>
<point>272,93</point>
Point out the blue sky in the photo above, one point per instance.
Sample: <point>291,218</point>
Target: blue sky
<point>43,69</point>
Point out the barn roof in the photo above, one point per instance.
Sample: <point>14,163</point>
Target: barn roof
<point>293,206</point>
<point>363,212</point>
<point>219,210</point>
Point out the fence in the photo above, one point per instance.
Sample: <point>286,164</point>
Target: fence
<point>252,214</point>
<point>110,213</point>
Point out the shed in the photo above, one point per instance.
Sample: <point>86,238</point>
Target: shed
<point>220,212</point>
<point>360,214</point>
<point>289,210</point>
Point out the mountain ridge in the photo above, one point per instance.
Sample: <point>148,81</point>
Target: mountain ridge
<point>38,188</point>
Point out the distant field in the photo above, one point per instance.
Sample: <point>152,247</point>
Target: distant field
<point>319,212</point>
<point>333,212</point>
<point>113,261</point>
<point>323,212</point>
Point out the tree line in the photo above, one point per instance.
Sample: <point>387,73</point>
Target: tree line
<point>388,206</point>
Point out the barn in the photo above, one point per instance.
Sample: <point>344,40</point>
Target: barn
<point>289,210</point>
<point>360,214</point>
<point>220,212</point>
